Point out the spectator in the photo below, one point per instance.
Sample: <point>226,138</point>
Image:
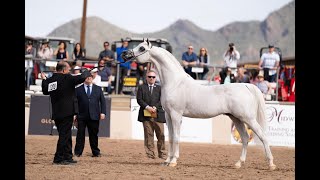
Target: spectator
<point>243,77</point>
<point>125,67</point>
<point>231,56</point>
<point>227,77</point>
<point>148,97</point>
<point>45,52</point>
<point>105,73</point>
<point>189,59</point>
<point>141,72</point>
<point>76,70</point>
<point>269,62</point>
<point>203,60</point>
<point>31,53</point>
<point>263,85</point>
<point>107,55</point>
<point>61,52</point>
<point>253,76</point>
<point>78,52</point>
<point>96,78</point>
<point>92,109</point>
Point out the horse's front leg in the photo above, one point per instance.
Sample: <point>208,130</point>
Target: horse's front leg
<point>176,120</point>
<point>170,132</point>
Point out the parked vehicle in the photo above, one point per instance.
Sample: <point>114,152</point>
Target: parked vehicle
<point>137,77</point>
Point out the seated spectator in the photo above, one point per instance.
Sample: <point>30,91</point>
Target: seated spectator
<point>107,55</point>
<point>96,77</point>
<point>263,85</point>
<point>253,76</point>
<point>203,61</point>
<point>78,52</point>
<point>61,52</point>
<point>243,77</point>
<point>227,76</point>
<point>105,73</point>
<point>189,59</point>
<point>76,70</point>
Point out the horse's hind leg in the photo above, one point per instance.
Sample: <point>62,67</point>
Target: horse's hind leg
<point>259,132</point>
<point>244,138</point>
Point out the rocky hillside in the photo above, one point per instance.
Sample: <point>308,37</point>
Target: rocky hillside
<point>278,28</point>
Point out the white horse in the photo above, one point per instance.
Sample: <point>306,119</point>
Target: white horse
<point>182,96</point>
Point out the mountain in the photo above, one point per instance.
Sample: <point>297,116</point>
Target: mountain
<point>278,28</point>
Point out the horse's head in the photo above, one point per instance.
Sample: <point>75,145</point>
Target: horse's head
<point>140,53</point>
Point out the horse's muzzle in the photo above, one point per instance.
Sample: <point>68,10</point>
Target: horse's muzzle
<point>127,55</point>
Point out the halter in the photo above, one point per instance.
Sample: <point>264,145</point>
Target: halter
<point>131,53</point>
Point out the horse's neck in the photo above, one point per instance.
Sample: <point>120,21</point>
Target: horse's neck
<point>169,69</point>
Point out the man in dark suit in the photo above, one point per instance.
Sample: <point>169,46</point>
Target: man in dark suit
<point>61,88</point>
<point>92,109</point>
<point>148,97</point>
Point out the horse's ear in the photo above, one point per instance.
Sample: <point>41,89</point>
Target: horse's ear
<point>143,40</point>
<point>148,41</point>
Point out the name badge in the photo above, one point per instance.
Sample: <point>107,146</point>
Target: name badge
<point>52,86</point>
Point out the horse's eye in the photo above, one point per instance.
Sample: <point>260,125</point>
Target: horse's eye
<point>141,49</point>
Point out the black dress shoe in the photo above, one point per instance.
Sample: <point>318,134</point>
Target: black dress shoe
<point>70,161</point>
<point>96,155</point>
<point>60,163</point>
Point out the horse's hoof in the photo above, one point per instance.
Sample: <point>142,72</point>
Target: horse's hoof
<point>238,165</point>
<point>164,164</point>
<point>172,164</point>
<point>272,167</point>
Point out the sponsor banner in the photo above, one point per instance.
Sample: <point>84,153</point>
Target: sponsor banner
<point>280,125</point>
<point>192,129</point>
<point>40,122</point>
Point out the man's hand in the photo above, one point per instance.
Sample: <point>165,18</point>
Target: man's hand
<point>43,75</point>
<point>151,109</point>
<point>102,116</point>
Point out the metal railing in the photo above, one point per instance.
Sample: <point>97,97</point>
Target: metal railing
<point>213,71</point>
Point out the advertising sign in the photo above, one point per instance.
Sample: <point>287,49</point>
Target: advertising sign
<point>40,122</point>
<point>280,128</point>
<point>192,129</point>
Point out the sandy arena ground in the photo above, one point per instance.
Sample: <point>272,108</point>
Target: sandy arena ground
<point>125,159</point>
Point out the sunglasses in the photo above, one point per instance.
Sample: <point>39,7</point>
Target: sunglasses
<point>151,77</point>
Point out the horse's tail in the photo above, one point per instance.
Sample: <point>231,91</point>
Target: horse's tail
<point>261,115</point>
<point>261,118</point>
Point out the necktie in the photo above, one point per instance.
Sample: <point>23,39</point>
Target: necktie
<point>88,91</point>
<point>150,89</point>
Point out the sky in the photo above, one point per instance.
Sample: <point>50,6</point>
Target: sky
<point>141,16</point>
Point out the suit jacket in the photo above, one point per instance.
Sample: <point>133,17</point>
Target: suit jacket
<point>92,106</point>
<point>144,98</point>
<point>61,88</point>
